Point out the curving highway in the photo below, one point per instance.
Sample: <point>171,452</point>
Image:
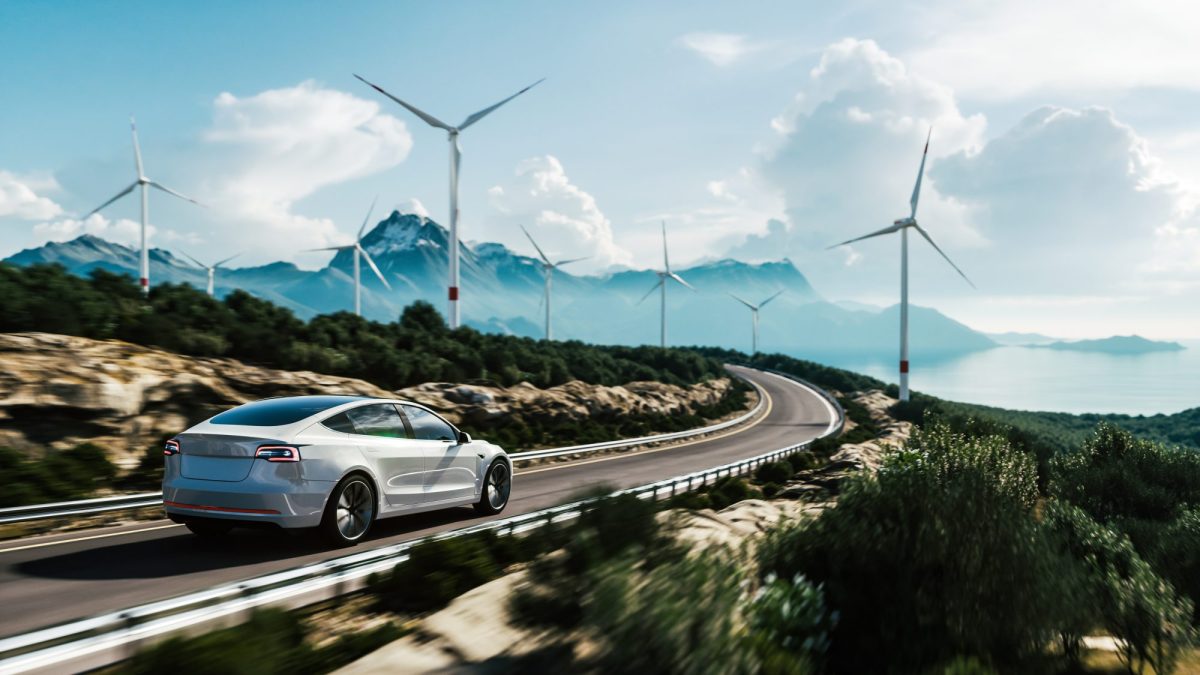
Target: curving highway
<point>57,578</point>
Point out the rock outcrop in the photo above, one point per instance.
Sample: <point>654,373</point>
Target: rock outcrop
<point>58,391</point>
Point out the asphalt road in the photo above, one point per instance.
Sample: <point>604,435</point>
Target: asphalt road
<point>56,578</point>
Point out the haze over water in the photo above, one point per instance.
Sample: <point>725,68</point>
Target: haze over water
<point>1023,378</point>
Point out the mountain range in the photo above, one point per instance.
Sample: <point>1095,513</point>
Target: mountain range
<point>502,292</point>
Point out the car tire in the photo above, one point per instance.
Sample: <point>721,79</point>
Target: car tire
<point>209,529</point>
<point>497,486</point>
<point>349,512</point>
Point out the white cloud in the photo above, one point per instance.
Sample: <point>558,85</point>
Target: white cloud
<point>845,156</point>
<point>564,219</point>
<point>1001,50</point>
<point>269,150</point>
<point>720,49</point>
<point>19,197</point>
<point>414,206</point>
<point>121,231</point>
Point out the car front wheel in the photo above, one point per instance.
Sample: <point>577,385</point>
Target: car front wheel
<point>350,511</point>
<point>497,485</point>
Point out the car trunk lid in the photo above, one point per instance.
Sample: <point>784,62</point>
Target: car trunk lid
<point>217,456</point>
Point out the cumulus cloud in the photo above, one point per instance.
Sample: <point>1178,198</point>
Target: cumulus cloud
<point>845,156</point>
<point>269,150</point>
<point>1002,50</point>
<point>564,218</point>
<point>720,49</point>
<point>20,198</point>
<point>121,231</point>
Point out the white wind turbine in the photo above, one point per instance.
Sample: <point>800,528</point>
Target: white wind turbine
<point>144,183</point>
<point>664,276</point>
<point>902,226</point>
<point>359,251</point>
<point>754,313</point>
<point>211,269</point>
<point>452,133</point>
<point>548,270</point>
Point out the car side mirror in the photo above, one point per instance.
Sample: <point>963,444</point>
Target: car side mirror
<point>464,438</point>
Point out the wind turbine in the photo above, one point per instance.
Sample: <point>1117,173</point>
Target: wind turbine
<point>548,270</point>
<point>144,183</point>
<point>902,226</point>
<point>359,251</point>
<point>211,269</point>
<point>754,313</point>
<point>664,276</point>
<point>452,133</point>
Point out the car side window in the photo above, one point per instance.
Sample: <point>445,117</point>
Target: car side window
<point>377,419</point>
<point>340,422</point>
<point>426,426</point>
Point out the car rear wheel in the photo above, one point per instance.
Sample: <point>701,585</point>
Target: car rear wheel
<point>209,528</point>
<point>497,485</point>
<point>350,511</point>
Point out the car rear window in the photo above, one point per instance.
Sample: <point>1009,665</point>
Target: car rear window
<point>275,412</point>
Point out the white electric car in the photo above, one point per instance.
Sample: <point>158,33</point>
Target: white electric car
<point>337,463</point>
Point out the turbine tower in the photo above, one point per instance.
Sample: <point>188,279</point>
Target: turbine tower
<point>754,313</point>
<point>548,270</point>
<point>902,226</point>
<point>211,269</point>
<point>452,133</point>
<point>664,276</point>
<point>144,183</point>
<point>359,251</point>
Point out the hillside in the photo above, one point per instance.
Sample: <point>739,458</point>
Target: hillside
<point>502,293</point>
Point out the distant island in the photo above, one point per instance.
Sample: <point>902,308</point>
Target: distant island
<point>1117,344</point>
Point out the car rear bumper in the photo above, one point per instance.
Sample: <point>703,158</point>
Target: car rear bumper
<point>299,505</point>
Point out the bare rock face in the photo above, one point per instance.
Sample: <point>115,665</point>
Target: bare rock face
<point>57,391</point>
<point>467,404</point>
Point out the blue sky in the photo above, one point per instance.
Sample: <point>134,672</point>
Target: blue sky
<point>1062,176</point>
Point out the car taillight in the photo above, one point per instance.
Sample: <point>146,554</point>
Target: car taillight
<point>278,453</point>
<point>171,447</point>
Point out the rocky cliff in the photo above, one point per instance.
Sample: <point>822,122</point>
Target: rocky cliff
<point>58,391</point>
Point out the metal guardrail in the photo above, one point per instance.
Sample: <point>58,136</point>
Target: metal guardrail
<point>88,507</point>
<point>102,640</point>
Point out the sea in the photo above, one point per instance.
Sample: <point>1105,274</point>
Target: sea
<point>1024,378</point>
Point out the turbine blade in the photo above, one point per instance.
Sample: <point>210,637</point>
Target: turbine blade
<point>666,263</point>
<point>568,261</point>
<point>429,119</point>
<point>475,117</point>
<point>198,263</point>
<point>916,195</point>
<point>661,281</point>
<point>367,219</point>
<point>752,307</point>
<point>943,254</point>
<point>120,194</point>
<point>329,248</point>
<point>678,278</point>
<point>226,260</point>
<point>539,248</point>
<point>764,302</point>
<point>367,256</point>
<point>887,230</point>
<point>137,150</point>
<point>172,192</point>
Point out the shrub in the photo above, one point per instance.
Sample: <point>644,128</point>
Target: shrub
<point>271,642</point>
<point>1116,590</point>
<point>774,472</point>
<point>730,490</point>
<point>680,617</point>
<point>789,617</point>
<point>912,556</point>
<point>59,475</point>
<point>436,572</point>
